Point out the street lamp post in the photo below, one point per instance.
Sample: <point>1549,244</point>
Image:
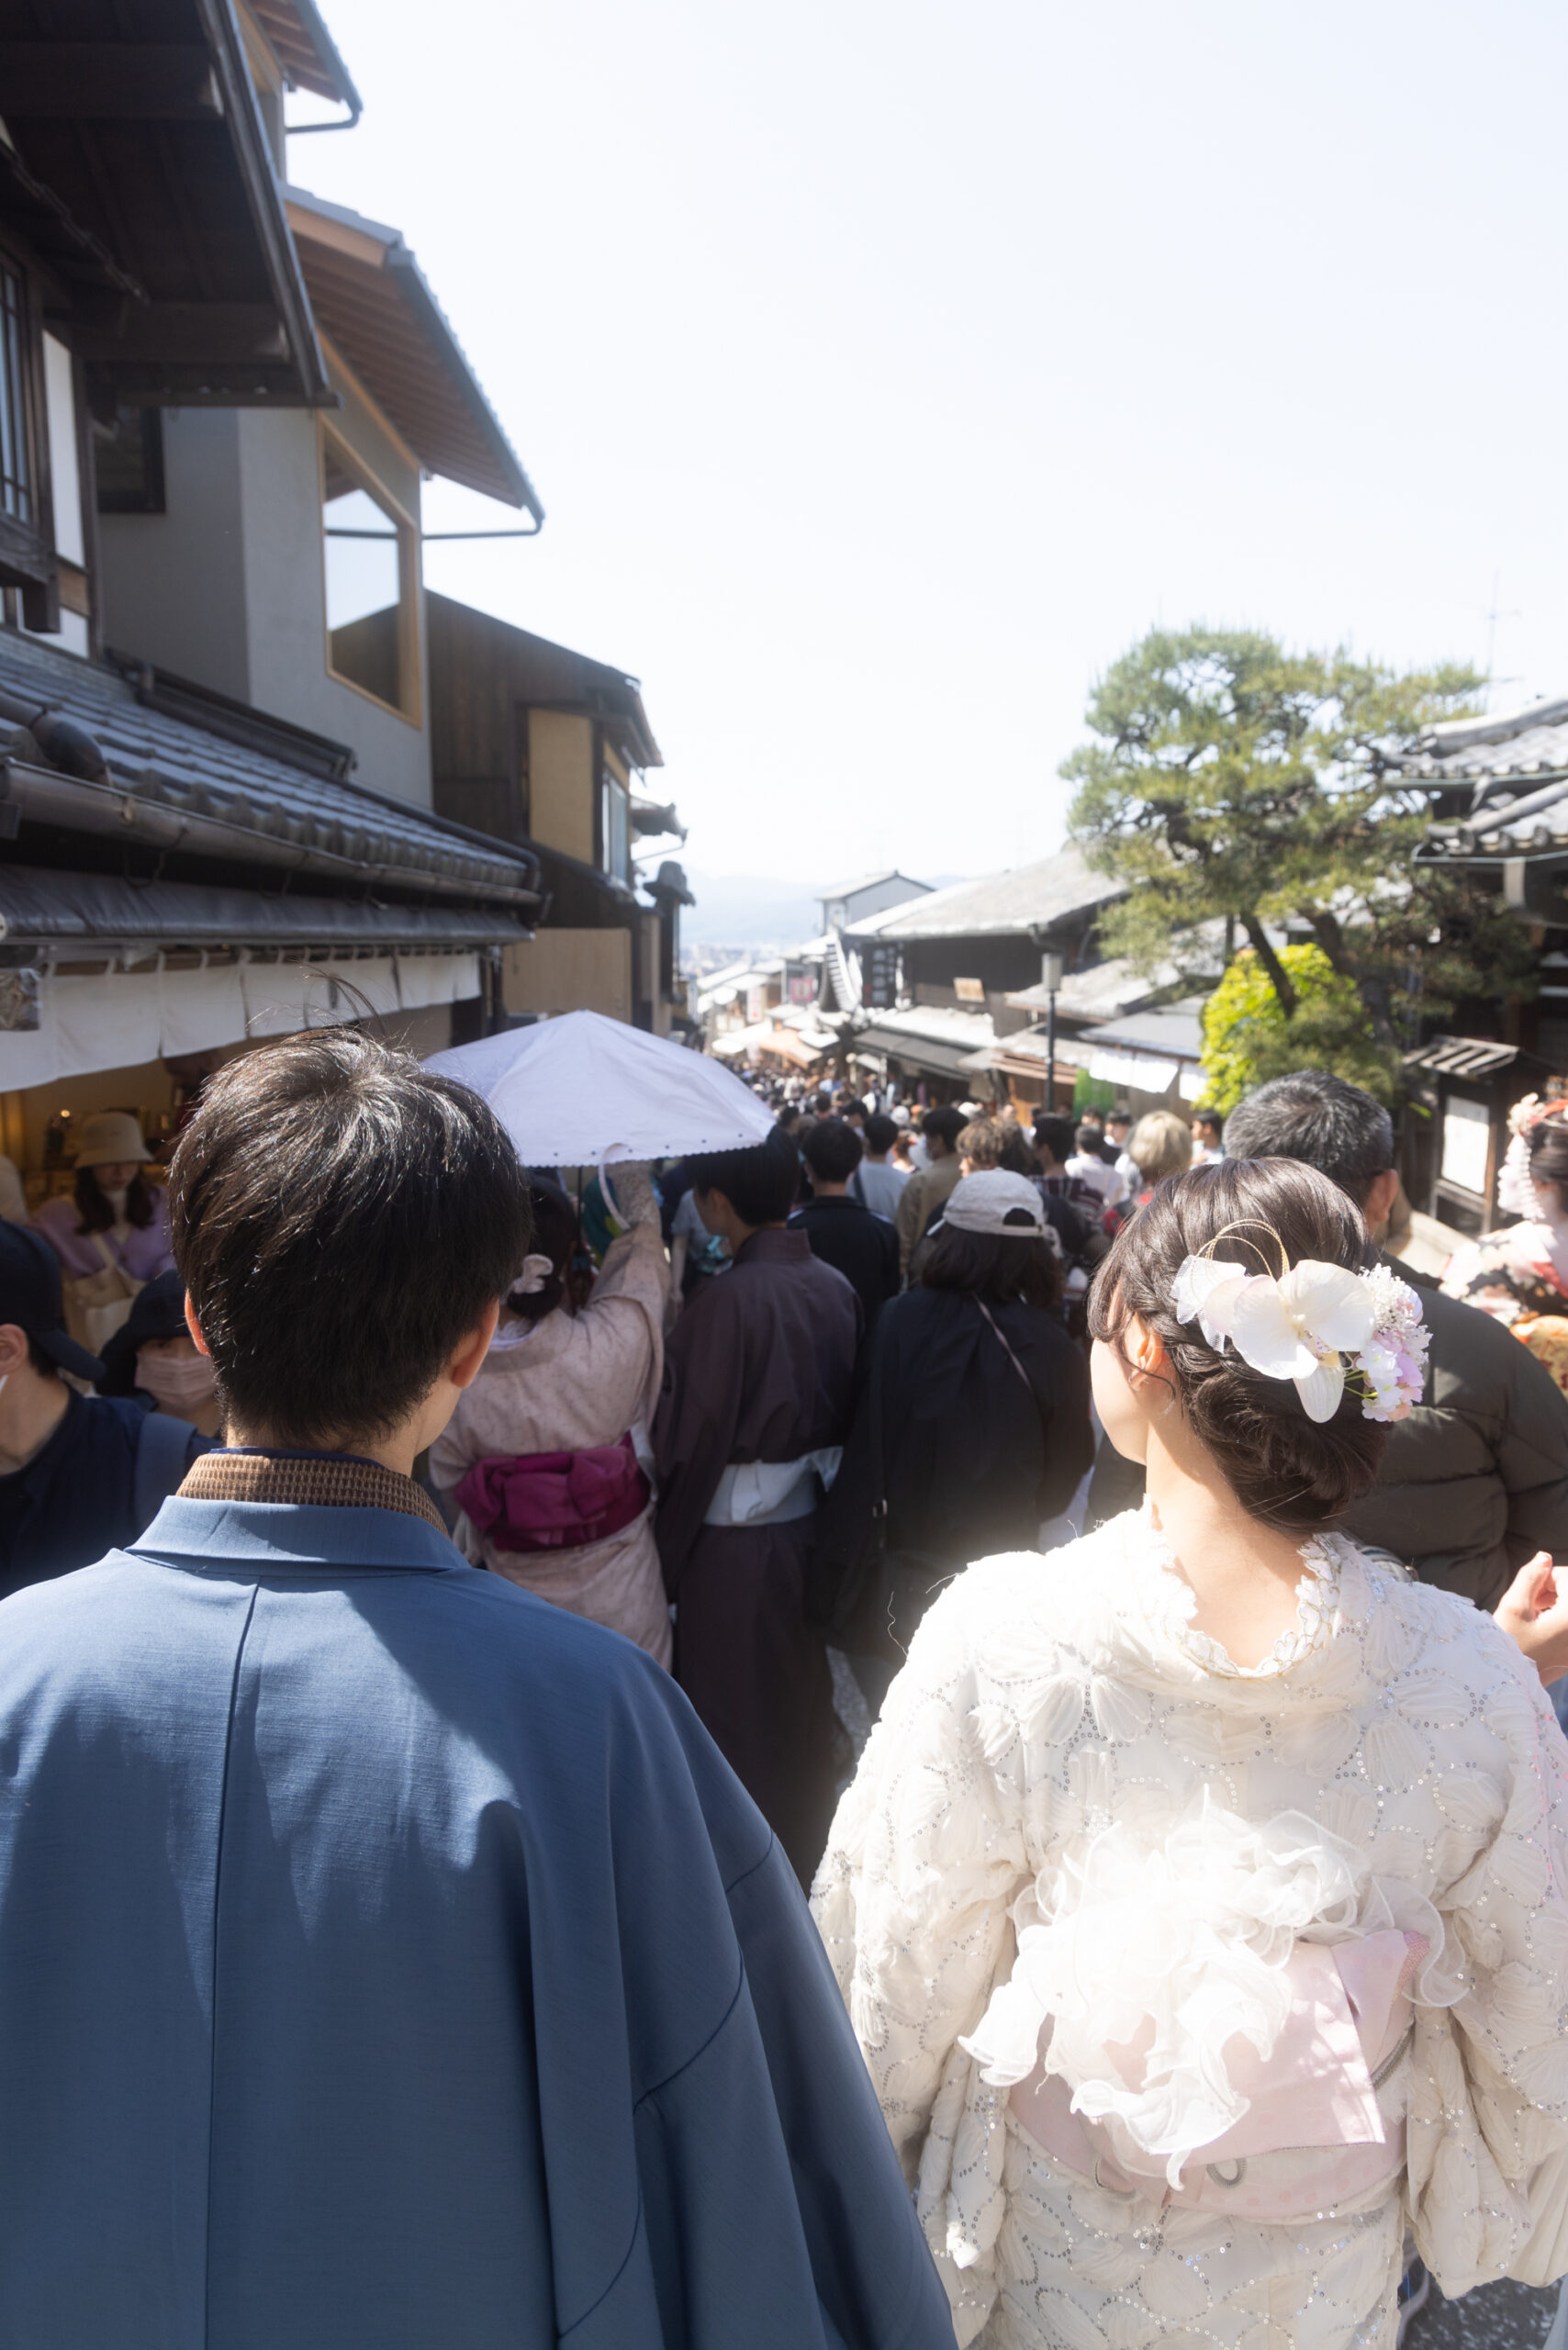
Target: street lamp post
<point>1051,979</point>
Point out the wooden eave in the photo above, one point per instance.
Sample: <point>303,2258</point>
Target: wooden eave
<point>375,307</point>
<point>305,49</point>
<point>155,149</point>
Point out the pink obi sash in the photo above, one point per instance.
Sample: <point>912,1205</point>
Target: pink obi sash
<point>1313,2135</point>
<point>555,1501</point>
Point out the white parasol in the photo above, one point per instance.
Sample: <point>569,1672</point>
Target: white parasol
<point>581,1089</point>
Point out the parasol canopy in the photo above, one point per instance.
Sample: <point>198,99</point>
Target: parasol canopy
<point>579,1089</point>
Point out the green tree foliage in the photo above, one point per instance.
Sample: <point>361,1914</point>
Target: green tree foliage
<point>1232,779</point>
<point>1247,1039</point>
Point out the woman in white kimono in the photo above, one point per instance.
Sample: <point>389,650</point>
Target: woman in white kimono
<point>1200,1899</point>
<point>540,1454</point>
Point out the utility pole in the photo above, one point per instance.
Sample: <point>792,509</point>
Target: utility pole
<point>1051,979</point>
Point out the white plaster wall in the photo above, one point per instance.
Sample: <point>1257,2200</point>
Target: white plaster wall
<point>286,606</point>
<point>172,585</point>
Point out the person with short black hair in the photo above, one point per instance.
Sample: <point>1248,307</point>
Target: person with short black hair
<point>79,1475</point>
<point>387,1958</point>
<point>843,1230</point>
<point>878,1180</point>
<point>757,1390</point>
<point>1196,1773</point>
<point>927,1189</point>
<point>1208,1139</point>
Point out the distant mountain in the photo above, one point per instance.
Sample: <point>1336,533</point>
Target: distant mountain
<point>749,910</point>
<point>746,909</point>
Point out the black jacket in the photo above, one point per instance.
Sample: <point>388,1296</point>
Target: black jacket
<point>969,1460</point>
<point>864,1247</point>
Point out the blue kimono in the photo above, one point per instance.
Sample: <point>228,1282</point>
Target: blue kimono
<point>390,1961</point>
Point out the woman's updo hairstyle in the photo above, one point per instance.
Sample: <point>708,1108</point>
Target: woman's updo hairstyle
<point>1549,1152</point>
<point>556,1235</point>
<point>1286,1470</point>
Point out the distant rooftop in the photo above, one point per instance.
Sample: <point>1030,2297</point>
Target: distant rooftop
<point>869,881</point>
<point>1025,898</point>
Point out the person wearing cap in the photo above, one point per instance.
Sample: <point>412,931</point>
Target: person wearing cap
<point>114,1217</point>
<point>973,1428</point>
<point>152,1358</point>
<point>79,1475</point>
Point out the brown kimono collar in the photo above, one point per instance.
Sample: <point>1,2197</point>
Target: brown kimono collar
<point>308,1480</point>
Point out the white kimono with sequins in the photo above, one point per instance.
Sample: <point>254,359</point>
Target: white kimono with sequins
<point>1061,1707</point>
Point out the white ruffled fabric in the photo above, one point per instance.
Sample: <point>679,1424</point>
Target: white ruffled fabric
<point>1074,1807</point>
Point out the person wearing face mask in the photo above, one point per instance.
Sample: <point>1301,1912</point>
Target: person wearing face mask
<point>153,1359</point>
<point>112,1234</point>
<point>79,1475</point>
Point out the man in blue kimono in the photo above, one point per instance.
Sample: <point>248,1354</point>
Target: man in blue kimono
<point>388,1959</point>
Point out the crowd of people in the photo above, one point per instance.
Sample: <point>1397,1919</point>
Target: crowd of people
<point>387,1953</point>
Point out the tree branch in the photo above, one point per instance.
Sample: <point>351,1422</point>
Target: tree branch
<point>1279,978</point>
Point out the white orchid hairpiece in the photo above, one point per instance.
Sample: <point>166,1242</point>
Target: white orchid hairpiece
<point>1312,1324</point>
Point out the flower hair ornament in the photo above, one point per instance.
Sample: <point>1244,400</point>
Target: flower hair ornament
<point>1319,1326</point>
<point>1516,1193</point>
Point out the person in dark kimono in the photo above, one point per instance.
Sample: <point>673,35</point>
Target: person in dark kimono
<point>759,1388</point>
<point>387,1958</point>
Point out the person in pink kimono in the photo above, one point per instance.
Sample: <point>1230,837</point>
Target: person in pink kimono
<point>542,1453</point>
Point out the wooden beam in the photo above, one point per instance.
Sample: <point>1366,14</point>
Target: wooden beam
<point>108,82</point>
<point>183,333</point>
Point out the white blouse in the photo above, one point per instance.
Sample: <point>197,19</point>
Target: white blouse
<point>1058,1710</point>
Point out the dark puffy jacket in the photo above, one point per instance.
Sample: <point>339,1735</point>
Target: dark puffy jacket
<point>1476,1479</point>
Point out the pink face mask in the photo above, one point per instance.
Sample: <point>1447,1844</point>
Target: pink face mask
<point>181,1383</point>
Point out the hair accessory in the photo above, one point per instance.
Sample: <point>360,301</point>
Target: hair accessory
<point>536,1271</point>
<point>1319,1326</point>
<point>1516,1193</point>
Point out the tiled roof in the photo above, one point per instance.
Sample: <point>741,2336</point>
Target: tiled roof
<point>244,797</point>
<point>1025,898</point>
<point>1517,767</point>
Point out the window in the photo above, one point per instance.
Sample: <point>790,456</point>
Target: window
<point>615,827</point>
<point>371,634</point>
<point>15,455</point>
<point>127,460</point>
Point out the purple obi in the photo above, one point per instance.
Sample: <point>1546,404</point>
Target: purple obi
<point>554,1501</point>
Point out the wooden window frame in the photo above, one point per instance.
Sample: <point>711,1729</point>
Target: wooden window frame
<point>412,709</point>
<point>27,559</point>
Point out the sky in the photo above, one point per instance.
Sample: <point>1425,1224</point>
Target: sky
<point>887,370</point>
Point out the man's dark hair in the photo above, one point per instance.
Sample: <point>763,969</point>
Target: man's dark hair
<point>1319,1120</point>
<point>1210,1122</point>
<point>760,1184</point>
<point>342,1218</point>
<point>945,1124</point>
<point>788,1116</point>
<point>852,1107</point>
<point>880,1134</point>
<point>832,1151</point>
<point>1059,1136</point>
<point>1087,1137</point>
<point>1092,1115</point>
<point>1120,1117</point>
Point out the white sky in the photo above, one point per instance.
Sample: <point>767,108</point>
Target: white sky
<point>885,370</point>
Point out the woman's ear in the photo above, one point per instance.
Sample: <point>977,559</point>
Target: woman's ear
<point>1145,1347</point>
